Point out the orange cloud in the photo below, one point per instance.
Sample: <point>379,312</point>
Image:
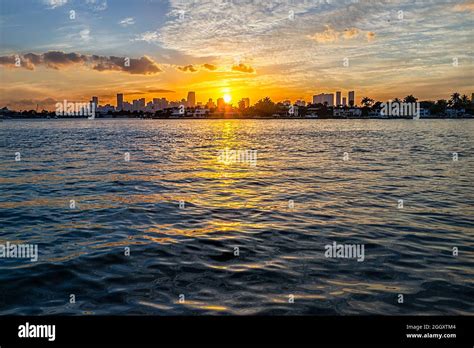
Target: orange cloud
<point>187,68</point>
<point>350,33</point>
<point>466,6</point>
<point>210,66</point>
<point>328,35</point>
<point>370,36</point>
<point>243,68</point>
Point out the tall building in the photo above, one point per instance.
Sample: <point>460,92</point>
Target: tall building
<point>191,99</point>
<point>351,98</point>
<point>472,98</point>
<point>323,98</point>
<point>210,104</point>
<point>344,101</point>
<point>141,104</point>
<point>220,103</point>
<point>119,101</point>
<point>338,98</point>
<point>95,100</point>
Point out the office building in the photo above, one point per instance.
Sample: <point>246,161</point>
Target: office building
<point>338,98</point>
<point>351,98</point>
<point>323,98</point>
<point>191,99</point>
<point>119,101</point>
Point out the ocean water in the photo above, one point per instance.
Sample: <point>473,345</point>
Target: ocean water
<point>251,237</point>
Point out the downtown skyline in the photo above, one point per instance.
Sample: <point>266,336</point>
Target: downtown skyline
<point>283,49</point>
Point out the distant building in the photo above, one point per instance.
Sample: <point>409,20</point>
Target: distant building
<point>344,101</point>
<point>338,98</point>
<point>119,101</point>
<point>220,103</point>
<point>210,104</point>
<point>95,100</point>
<point>351,98</point>
<point>323,98</point>
<point>472,98</point>
<point>191,102</point>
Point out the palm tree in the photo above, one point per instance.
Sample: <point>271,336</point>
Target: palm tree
<point>410,99</point>
<point>455,100</point>
<point>464,100</point>
<point>367,102</point>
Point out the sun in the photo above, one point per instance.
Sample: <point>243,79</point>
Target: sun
<point>227,98</point>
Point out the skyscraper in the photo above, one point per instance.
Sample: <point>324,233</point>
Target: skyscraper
<point>95,100</point>
<point>191,99</point>
<point>220,103</point>
<point>327,99</point>
<point>344,101</point>
<point>338,98</point>
<point>119,101</point>
<point>351,98</point>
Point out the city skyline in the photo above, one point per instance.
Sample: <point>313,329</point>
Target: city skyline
<point>234,50</point>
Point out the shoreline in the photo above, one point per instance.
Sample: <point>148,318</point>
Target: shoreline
<point>240,118</point>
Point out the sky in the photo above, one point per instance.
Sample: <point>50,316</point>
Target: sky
<point>55,50</point>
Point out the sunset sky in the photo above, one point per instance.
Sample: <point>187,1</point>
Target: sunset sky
<point>288,49</point>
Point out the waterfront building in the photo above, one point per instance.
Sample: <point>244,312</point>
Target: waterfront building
<point>351,98</point>
<point>324,98</point>
<point>119,101</point>
<point>191,102</point>
<point>220,103</point>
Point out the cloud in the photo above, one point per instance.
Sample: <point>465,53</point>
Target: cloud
<point>55,3</point>
<point>187,68</point>
<point>350,33</point>
<point>370,36</point>
<point>142,66</point>
<point>330,35</point>
<point>158,90</point>
<point>85,35</point>
<point>127,21</point>
<point>243,68</point>
<point>97,5</point>
<point>467,6</point>
<point>149,36</point>
<point>209,66</point>
<point>58,60</point>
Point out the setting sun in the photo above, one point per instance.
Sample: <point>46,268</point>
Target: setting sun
<point>227,98</point>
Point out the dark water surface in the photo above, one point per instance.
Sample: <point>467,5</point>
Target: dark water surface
<point>190,251</point>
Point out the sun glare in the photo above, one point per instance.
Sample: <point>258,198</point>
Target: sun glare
<point>227,98</point>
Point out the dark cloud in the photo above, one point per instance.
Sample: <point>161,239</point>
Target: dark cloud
<point>160,91</point>
<point>187,68</point>
<point>243,68</point>
<point>210,66</point>
<point>57,60</point>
